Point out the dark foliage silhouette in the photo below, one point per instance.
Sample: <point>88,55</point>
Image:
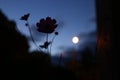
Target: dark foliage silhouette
<point>13,44</point>
<point>88,58</point>
<point>18,63</point>
<point>60,73</point>
<point>15,60</point>
<point>42,57</point>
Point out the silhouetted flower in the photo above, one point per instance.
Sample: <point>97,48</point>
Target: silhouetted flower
<point>25,17</point>
<point>46,26</point>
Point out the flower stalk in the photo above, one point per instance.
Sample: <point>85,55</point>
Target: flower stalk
<point>46,26</point>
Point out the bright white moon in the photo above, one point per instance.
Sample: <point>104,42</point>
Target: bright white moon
<point>75,40</point>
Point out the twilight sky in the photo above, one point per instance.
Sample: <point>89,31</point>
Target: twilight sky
<point>74,18</point>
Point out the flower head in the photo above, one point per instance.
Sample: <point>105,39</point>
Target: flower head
<point>25,17</point>
<point>47,25</point>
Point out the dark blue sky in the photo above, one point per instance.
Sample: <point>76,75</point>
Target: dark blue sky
<point>74,18</point>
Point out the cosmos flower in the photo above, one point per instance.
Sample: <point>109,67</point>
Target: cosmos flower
<point>47,25</point>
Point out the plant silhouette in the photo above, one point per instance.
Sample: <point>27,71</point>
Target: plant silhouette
<point>46,26</point>
<point>18,63</point>
<point>25,18</point>
<point>14,55</point>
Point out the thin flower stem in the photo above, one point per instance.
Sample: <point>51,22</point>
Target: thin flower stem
<point>52,43</point>
<point>32,36</point>
<point>47,37</point>
<point>47,41</point>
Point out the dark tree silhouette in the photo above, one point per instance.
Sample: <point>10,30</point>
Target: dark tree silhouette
<point>12,43</point>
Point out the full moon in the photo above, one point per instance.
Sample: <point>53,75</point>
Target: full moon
<point>75,39</point>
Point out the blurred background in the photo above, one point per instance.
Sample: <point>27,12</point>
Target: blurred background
<point>89,20</point>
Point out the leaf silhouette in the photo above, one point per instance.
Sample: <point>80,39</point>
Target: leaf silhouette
<point>45,45</point>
